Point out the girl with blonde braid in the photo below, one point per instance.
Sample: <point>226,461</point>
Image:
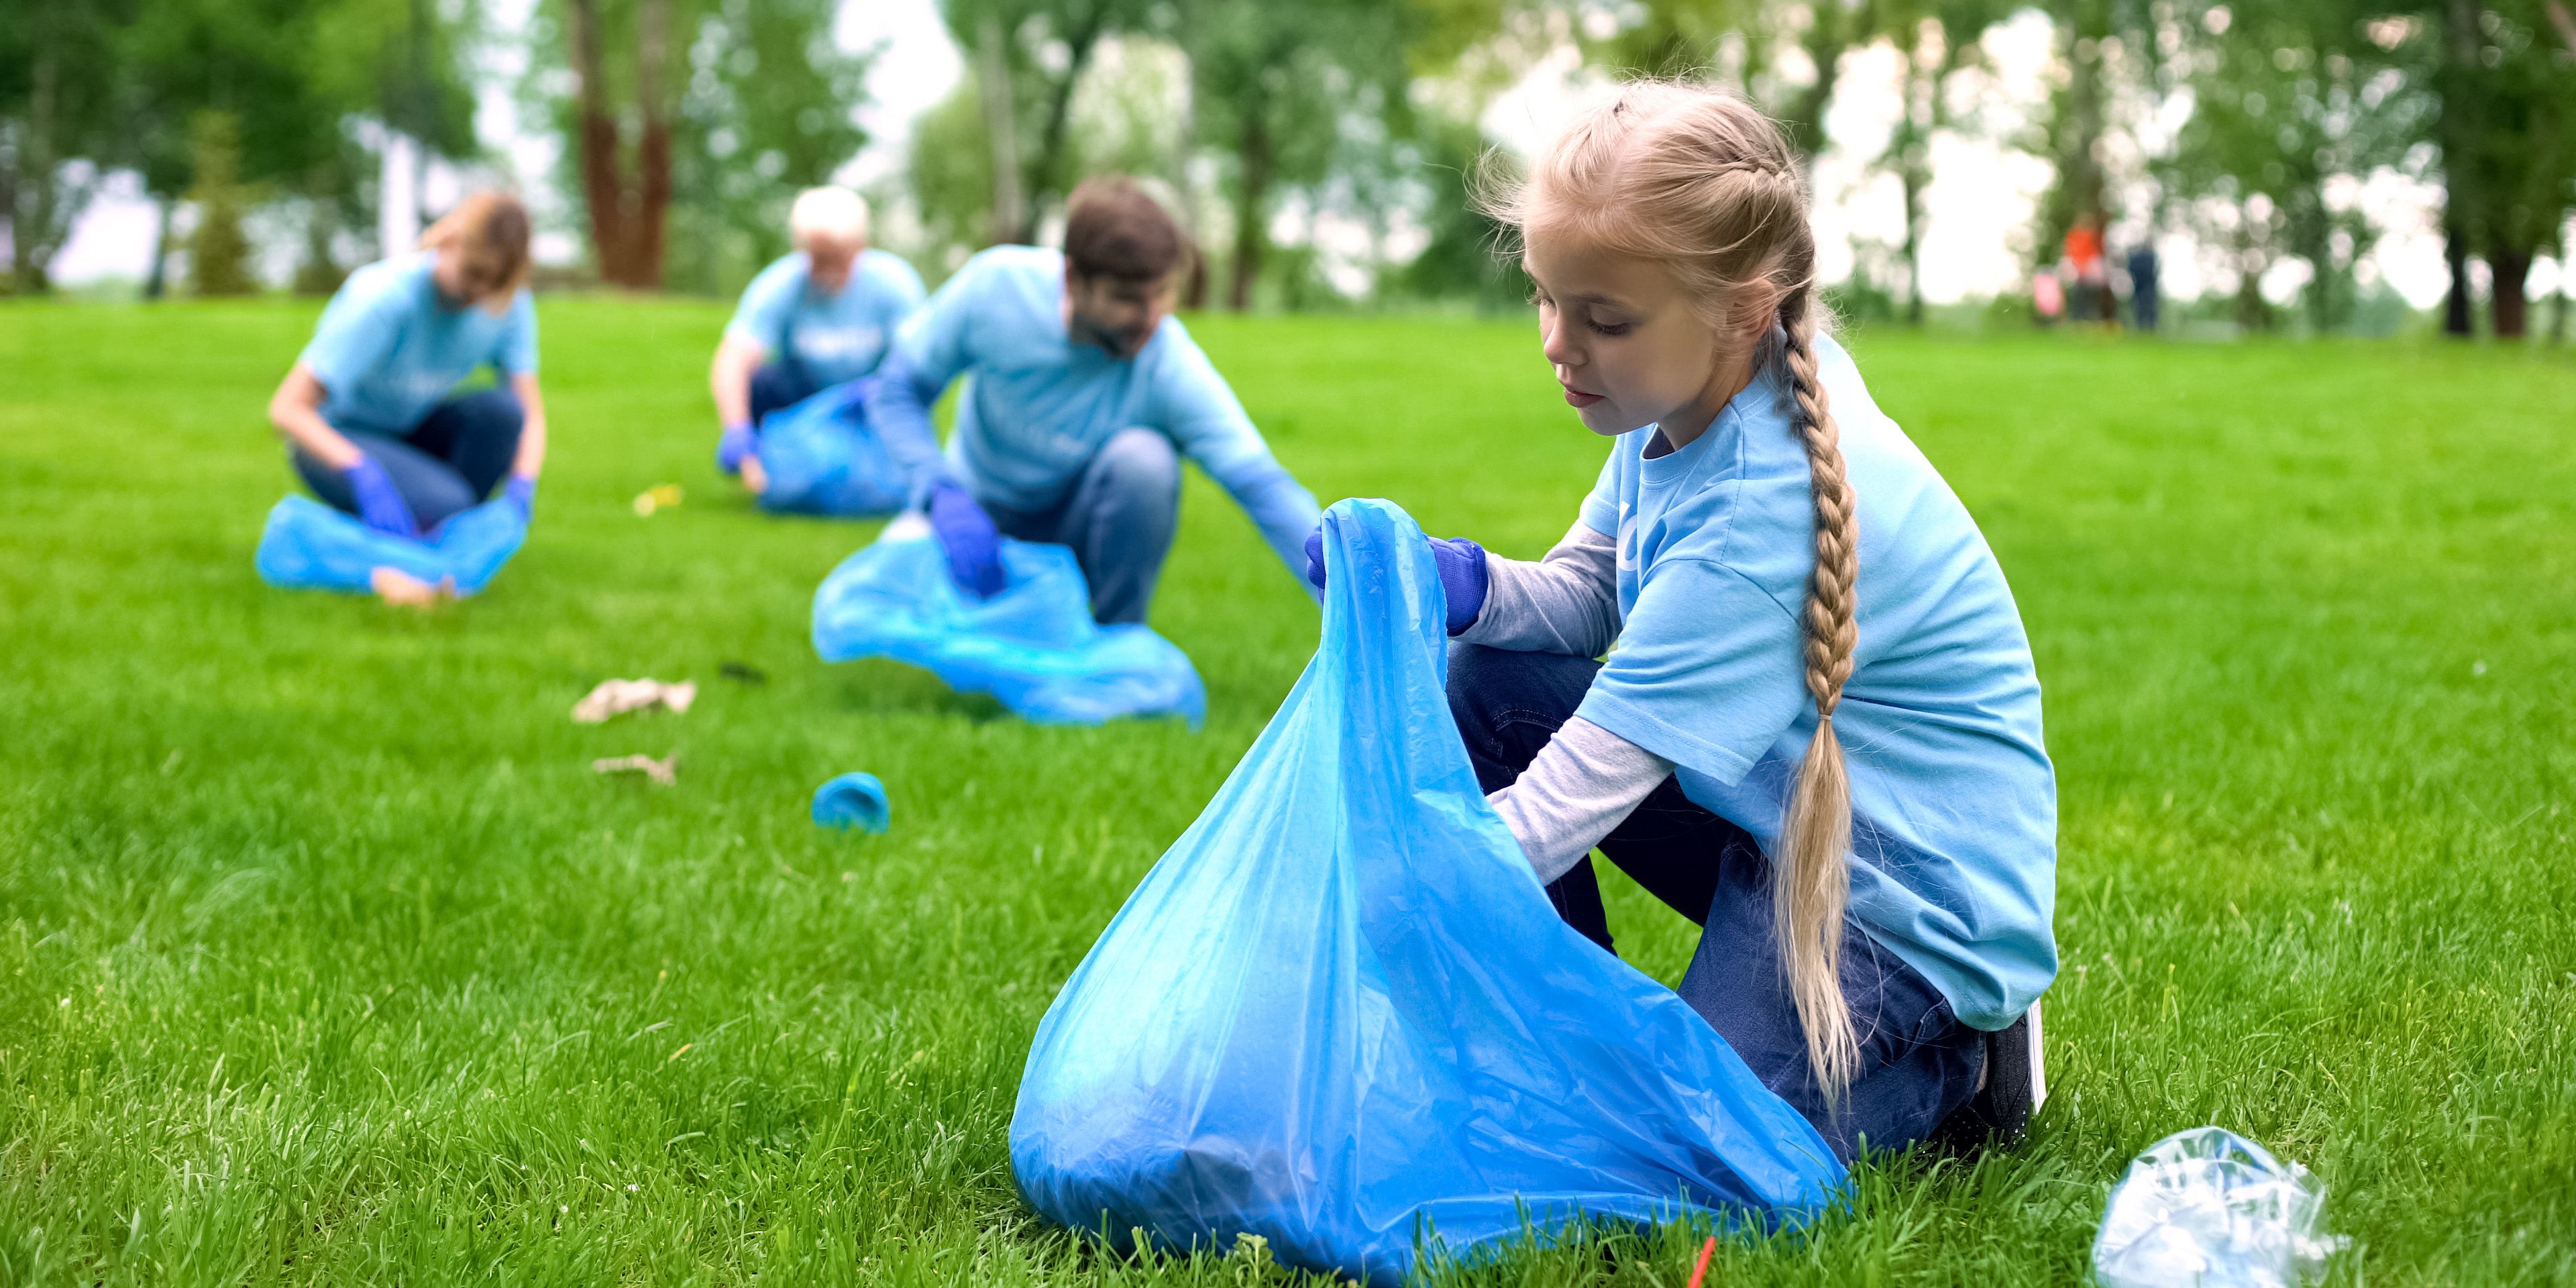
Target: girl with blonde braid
<point>1817,728</point>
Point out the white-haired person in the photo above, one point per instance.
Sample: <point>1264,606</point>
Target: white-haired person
<point>819,316</point>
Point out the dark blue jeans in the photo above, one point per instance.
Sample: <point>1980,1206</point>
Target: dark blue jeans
<point>779,384</point>
<point>1918,1063</point>
<point>1120,519</point>
<point>451,460</point>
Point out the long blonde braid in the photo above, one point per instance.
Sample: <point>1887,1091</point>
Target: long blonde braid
<point>1696,180</point>
<point>1810,875</point>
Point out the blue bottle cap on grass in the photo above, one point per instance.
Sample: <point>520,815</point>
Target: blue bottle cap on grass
<point>853,800</point>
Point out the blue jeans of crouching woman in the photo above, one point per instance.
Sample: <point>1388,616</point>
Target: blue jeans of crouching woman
<point>1918,1064</point>
<point>452,459</point>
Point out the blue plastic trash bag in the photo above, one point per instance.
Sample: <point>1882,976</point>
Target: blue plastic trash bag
<point>310,546</point>
<point>1341,1015</point>
<point>853,800</point>
<point>1034,645</point>
<point>2208,1207</point>
<point>822,457</point>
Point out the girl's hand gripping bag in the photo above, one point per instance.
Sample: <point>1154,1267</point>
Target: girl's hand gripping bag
<point>1341,1015</point>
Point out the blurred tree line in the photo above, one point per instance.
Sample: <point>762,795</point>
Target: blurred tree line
<point>1317,148</point>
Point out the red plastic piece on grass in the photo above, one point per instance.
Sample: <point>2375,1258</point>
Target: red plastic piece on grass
<point>1700,1271</point>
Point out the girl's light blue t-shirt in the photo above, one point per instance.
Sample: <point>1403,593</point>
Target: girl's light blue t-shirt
<point>836,337</point>
<point>388,349</point>
<point>1954,802</point>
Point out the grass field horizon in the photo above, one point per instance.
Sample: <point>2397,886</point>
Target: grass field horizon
<point>324,956</point>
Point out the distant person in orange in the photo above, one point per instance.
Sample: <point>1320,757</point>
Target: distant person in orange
<point>2092,272</point>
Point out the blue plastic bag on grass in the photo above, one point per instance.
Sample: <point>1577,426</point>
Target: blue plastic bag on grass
<point>1034,645</point>
<point>310,546</point>
<point>1341,1015</point>
<point>823,457</point>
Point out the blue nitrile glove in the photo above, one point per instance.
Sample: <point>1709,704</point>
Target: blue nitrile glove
<point>735,445</point>
<point>380,503</point>
<point>973,544</point>
<point>1460,562</point>
<point>521,491</point>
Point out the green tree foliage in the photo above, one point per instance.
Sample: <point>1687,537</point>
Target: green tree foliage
<point>219,258</point>
<point>1289,93</point>
<point>2504,76</point>
<point>2286,98</point>
<point>403,63</point>
<point>1469,254</point>
<point>57,119</point>
<point>767,112</point>
<point>1936,39</point>
<point>950,176</point>
<point>1027,58</point>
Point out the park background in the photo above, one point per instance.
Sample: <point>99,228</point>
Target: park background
<point>324,956</point>
<point>2313,166</point>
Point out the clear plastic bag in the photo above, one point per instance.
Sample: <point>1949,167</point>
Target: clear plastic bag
<point>1034,645</point>
<point>2207,1208</point>
<point>1341,1017</point>
<point>310,546</point>
<point>823,457</point>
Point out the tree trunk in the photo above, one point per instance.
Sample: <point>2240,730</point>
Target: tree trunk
<point>1194,286</point>
<point>1248,232</point>
<point>2455,306</point>
<point>600,182</point>
<point>626,215</point>
<point>1050,177</point>
<point>31,224</point>
<point>2506,306</point>
<point>1001,126</point>
<point>2566,282</point>
<point>2457,131</point>
<point>10,156</point>
<point>156,283</point>
<point>653,207</point>
<point>320,273</point>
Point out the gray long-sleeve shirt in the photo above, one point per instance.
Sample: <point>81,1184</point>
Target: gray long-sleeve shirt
<point>1586,780</point>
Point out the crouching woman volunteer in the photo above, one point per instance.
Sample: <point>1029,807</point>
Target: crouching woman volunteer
<point>1817,730</point>
<point>369,409</point>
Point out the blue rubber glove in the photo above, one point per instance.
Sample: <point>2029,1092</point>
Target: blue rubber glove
<point>380,503</point>
<point>1460,563</point>
<point>521,491</point>
<point>973,544</point>
<point>735,445</point>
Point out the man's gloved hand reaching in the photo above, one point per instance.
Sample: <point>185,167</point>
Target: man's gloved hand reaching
<point>1461,564</point>
<point>967,534</point>
<point>735,445</point>
<point>380,503</point>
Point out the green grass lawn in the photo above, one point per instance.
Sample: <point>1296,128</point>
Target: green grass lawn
<point>325,957</point>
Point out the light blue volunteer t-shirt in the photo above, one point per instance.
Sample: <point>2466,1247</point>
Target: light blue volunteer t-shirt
<point>1954,802</point>
<point>837,337</point>
<point>388,349</point>
<point>1038,406</point>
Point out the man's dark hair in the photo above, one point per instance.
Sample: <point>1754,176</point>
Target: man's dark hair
<point>1113,229</point>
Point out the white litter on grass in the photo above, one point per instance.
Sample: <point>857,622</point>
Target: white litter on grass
<point>661,771</point>
<point>2209,1208</point>
<point>617,697</point>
